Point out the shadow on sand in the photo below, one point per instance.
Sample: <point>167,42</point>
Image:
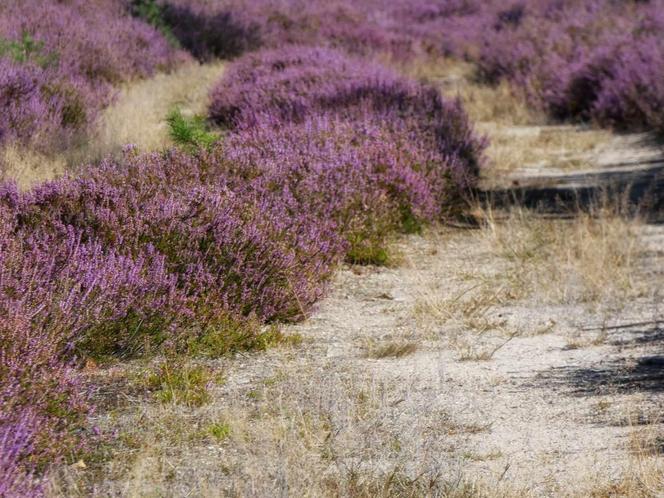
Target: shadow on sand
<point>643,374</point>
<point>638,188</point>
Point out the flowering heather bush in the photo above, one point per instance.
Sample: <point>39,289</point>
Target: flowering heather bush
<point>26,109</point>
<point>229,249</point>
<point>326,155</point>
<point>59,61</point>
<point>144,254</point>
<point>291,85</point>
<point>230,28</point>
<point>175,249</point>
<point>576,59</point>
<point>400,28</point>
<point>356,175</point>
<point>557,51</point>
<point>15,446</point>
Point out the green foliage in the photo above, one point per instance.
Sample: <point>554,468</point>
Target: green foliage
<point>153,13</point>
<point>368,247</point>
<point>229,335</point>
<point>132,336</point>
<point>219,430</point>
<point>27,49</point>
<point>180,383</point>
<point>366,253</point>
<point>190,133</point>
<point>410,224</point>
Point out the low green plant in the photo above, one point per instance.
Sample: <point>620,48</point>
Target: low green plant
<point>410,224</point>
<point>180,383</point>
<point>367,246</point>
<point>27,49</point>
<point>229,336</point>
<point>368,254</point>
<point>190,132</point>
<point>219,430</point>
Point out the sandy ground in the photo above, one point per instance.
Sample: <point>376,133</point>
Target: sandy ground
<point>541,414</point>
<point>527,396</point>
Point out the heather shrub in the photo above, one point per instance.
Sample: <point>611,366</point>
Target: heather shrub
<point>356,174</point>
<point>631,95</point>
<point>270,88</point>
<point>151,253</point>
<point>16,446</point>
<point>208,33</point>
<point>27,110</point>
<point>230,28</point>
<point>399,29</point>
<point>41,403</point>
<point>229,251</point>
<point>152,12</point>
<point>196,250</point>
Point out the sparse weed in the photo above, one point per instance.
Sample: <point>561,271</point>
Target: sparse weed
<point>220,430</point>
<point>177,382</point>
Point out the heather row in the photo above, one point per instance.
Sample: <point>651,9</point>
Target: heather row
<point>294,85</point>
<point>59,62</point>
<point>228,28</point>
<point>125,263</point>
<point>183,251</point>
<point>598,60</point>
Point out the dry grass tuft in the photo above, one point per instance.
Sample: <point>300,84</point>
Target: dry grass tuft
<point>27,167</point>
<point>476,350</point>
<point>475,327</point>
<point>296,433</point>
<point>178,382</point>
<point>496,104</point>
<point>592,258</point>
<point>647,439</point>
<point>390,349</point>
<point>643,476</point>
<point>395,484</point>
<point>580,340</point>
<point>484,103</point>
<point>561,147</point>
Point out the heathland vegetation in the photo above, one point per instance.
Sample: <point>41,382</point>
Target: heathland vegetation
<point>314,150</point>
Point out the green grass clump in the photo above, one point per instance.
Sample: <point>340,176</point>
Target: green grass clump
<point>176,382</point>
<point>219,430</point>
<point>232,335</point>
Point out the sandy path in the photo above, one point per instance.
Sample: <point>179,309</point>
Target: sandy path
<point>555,411</point>
<point>539,414</point>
